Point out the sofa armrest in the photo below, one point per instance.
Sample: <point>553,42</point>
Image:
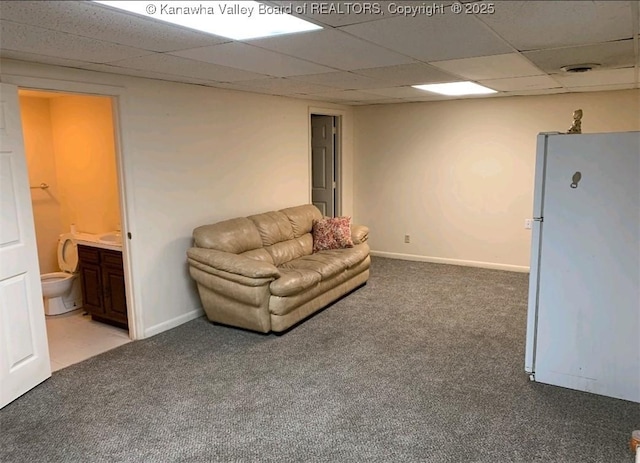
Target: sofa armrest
<point>359,233</point>
<point>233,263</point>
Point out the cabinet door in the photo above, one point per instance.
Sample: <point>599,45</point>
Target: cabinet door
<point>92,288</point>
<point>115,302</point>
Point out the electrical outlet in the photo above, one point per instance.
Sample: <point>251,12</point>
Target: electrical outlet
<point>407,238</point>
<point>528,223</point>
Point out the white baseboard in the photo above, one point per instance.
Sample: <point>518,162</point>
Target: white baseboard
<point>177,321</point>
<point>442,260</point>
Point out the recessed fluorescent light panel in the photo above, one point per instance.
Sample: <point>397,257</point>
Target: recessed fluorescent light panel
<point>235,20</point>
<point>456,89</point>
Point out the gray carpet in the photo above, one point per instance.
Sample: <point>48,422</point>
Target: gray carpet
<point>423,364</point>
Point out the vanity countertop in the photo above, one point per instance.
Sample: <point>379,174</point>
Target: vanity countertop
<point>88,239</point>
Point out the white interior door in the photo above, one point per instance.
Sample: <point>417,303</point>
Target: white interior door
<point>588,292</point>
<point>323,183</point>
<point>24,353</point>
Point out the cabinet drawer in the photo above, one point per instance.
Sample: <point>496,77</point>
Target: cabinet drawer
<point>88,254</point>
<point>112,258</point>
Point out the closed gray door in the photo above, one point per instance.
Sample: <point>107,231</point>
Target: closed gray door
<point>589,297</point>
<point>323,164</point>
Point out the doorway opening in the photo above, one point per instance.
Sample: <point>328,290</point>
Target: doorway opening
<point>70,148</point>
<point>326,181</point>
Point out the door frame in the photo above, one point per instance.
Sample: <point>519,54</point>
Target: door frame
<point>535,254</point>
<point>123,165</point>
<point>337,155</point>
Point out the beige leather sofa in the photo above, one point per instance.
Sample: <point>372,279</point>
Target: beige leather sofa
<point>259,272</point>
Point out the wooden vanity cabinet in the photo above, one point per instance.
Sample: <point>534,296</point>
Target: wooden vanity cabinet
<point>103,289</point>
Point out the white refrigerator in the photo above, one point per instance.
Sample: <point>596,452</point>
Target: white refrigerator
<point>583,321</point>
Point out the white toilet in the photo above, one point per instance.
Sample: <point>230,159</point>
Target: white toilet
<point>61,290</point>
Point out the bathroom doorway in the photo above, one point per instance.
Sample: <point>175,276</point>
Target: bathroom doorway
<point>70,148</point>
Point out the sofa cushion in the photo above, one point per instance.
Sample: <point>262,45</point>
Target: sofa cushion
<point>233,263</point>
<point>285,251</point>
<point>332,233</point>
<point>284,305</point>
<point>302,217</point>
<point>273,227</point>
<point>293,282</point>
<point>331,262</point>
<point>324,264</point>
<point>234,235</point>
<point>260,254</point>
<point>306,241</point>
<point>348,257</point>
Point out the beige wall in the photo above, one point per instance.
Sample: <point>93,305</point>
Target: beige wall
<point>458,175</point>
<point>199,155</point>
<point>83,140</point>
<point>38,143</point>
<point>194,155</point>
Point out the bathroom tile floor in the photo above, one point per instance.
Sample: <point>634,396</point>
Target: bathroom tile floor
<point>74,337</point>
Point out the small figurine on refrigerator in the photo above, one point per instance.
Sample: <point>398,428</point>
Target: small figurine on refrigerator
<point>576,127</point>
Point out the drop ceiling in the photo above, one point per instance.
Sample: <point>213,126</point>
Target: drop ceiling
<point>355,59</point>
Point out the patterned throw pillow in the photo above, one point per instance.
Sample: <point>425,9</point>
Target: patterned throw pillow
<point>332,233</point>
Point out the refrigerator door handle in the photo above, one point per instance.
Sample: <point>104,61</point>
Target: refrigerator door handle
<point>538,219</point>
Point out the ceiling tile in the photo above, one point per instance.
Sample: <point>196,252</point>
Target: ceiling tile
<point>347,95</point>
<point>431,97</point>
<point>336,13</point>
<point>407,74</point>
<point>147,74</point>
<point>343,13</point>
<point>103,68</point>
<point>597,77</point>
<point>532,25</point>
<point>603,88</point>
<point>440,37</point>
<point>31,39</point>
<point>490,67</point>
<point>332,48</point>
<point>521,83</point>
<point>284,86</point>
<point>548,91</point>
<point>397,92</point>
<point>250,58</point>
<point>103,23</point>
<point>376,102</point>
<point>381,61</point>
<point>341,80</point>
<point>9,54</point>
<point>176,65</point>
<point>316,98</point>
<point>263,91</point>
<point>610,55</point>
<point>237,86</point>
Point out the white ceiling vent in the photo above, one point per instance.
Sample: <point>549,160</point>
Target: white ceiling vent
<point>576,68</point>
